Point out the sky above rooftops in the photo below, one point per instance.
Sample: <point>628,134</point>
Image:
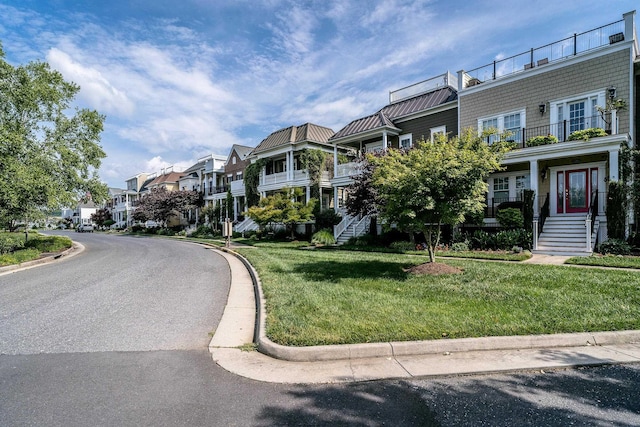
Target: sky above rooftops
<point>178,80</point>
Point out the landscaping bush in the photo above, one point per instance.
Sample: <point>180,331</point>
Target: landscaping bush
<point>323,237</point>
<point>364,240</point>
<point>327,218</point>
<point>510,218</point>
<point>616,210</point>
<point>11,242</point>
<point>483,240</point>
<point>507,239</point>
<point>586,134</point>
<point>614,247</point>
<point>49,243</point>
<point>541,140</point>
<point>460,246</point>
<point>203,232</point>
<point>403,246</point>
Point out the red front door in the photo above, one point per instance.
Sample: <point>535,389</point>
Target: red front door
<point>576,191</point>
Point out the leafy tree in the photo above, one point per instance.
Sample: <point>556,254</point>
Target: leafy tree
<point>282,208</point>
<point>363,198</point>
<point>101,216</point>
<point>435,183</point>
<point>160,204</point>
<point>49,152</point>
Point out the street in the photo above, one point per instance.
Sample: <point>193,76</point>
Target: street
<point>117,336</point>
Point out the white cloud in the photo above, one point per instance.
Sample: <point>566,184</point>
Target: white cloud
<point>96,90</point>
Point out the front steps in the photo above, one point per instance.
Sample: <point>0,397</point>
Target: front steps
<point>566,235</point>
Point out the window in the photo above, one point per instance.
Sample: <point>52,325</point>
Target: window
<point>436,131</point>
<point>233,160</point>
<point>405,141</point>
<point>511,122</point>
<point>522,183</point>
<point>577,113</point>
<point>501,189</point>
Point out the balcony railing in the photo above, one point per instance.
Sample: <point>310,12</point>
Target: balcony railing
<point>561,130</point>
<point>571,46</point>
<point>347,169</point>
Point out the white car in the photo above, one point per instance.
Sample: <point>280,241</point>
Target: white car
<point>85,228</point>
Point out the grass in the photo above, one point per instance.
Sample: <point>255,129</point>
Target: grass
<point>33,248</point>
<point>339,297</point>
<point>607,261</point>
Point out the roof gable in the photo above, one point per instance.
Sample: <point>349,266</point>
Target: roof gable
<point>307,132</point>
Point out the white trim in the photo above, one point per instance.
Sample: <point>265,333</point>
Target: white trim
<point>553,184</point>
<point>500,120</point>
<point>437,130</point>
<point>405,137</point>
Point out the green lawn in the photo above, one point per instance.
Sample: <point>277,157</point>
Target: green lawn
<point>607,261</point>
<point>318,297</point>
<point>32,249</point>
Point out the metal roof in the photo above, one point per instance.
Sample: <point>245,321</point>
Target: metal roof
<point>385,117</point>
<point>307,132</point>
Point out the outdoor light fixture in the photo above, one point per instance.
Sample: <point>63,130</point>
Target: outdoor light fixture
<point>542,107</point>
<point>611,91</point>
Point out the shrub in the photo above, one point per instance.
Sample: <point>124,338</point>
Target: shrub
<point>49,243</point>
<point>11,243</point>
<point>510,218</point>
<point>483,240</point>
<point>364,240</point>
<point>586,134</point>
<point>323,237</point>
<point>614,247</point>
<point>507,239</point>
<point>402,246</point>
<point>203,232</point>
<point>616,210</point>
<point>460,246</point>
<point>541,140</point>
<point>327,218</point>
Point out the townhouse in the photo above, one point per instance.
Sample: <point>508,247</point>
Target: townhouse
<point>545,98</point>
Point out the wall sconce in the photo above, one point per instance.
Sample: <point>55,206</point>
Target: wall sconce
<point>611,91</point>
<point>542,107</point>
<point>543,173</point>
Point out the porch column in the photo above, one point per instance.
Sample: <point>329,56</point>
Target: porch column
<point>613,165</point>
<point>385,140</point>
<point>335,161</point>
<point>535,174</point>
<point>335,199</point>
<point>308,193</point>
<point>235,208</point>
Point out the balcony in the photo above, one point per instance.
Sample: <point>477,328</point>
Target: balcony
<point>347,169</point>
<point>553,52</point>
<point>561,130</point>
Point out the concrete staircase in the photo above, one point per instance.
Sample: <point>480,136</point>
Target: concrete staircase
<point>566,235</point>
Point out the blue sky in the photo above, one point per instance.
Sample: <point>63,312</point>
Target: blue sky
<point>181,79</point>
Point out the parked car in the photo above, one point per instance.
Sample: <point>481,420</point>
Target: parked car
<point>85,228</point>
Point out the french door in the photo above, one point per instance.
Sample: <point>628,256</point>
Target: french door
<point>573,191</point>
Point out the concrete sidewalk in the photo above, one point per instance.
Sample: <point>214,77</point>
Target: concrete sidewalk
<point>231,348</point>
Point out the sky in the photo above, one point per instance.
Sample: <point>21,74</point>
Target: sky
<point>178,80</point>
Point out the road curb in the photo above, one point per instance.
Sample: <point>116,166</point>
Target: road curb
<point>417,348</point>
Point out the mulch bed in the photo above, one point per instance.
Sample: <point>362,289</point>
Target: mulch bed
<point>433,268</point>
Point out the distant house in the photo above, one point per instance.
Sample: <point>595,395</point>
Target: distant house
<point>416,112</point>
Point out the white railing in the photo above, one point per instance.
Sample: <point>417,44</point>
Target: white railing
<point>342,225</point>
<point>300,175</point>
<point>237,186</point>
<point>275,178</point>
<point>361,227</point>
<point>347,169</point>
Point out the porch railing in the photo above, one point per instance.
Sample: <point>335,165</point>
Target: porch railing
<point>496,203</point>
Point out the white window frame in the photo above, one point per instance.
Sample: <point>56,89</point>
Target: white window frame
<point>511,178</point>
<point>406,136</point>
<point>500,120</point>
<point>591,101</point>
<point>374,147</point>
<point>233,160</point>
<point>440,129</point>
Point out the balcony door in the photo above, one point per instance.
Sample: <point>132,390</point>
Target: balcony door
<point>573,191</point>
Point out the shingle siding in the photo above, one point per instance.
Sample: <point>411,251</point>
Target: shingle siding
<point>527,93</point>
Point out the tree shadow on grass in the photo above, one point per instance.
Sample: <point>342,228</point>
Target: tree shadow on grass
<point>330,271</point>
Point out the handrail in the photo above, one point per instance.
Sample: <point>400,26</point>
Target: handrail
<point>357,227</point>
<point>342,225</point>
<point>544,214</point>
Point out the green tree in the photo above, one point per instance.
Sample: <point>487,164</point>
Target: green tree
<point>435,183</point>
<point>49,151</point>
<point>102,217</point>
<point>282,208</point>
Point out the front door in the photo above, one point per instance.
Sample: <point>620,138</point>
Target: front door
<point>576,191</point>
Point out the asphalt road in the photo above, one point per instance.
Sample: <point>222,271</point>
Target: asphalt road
<point>117,336</point>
